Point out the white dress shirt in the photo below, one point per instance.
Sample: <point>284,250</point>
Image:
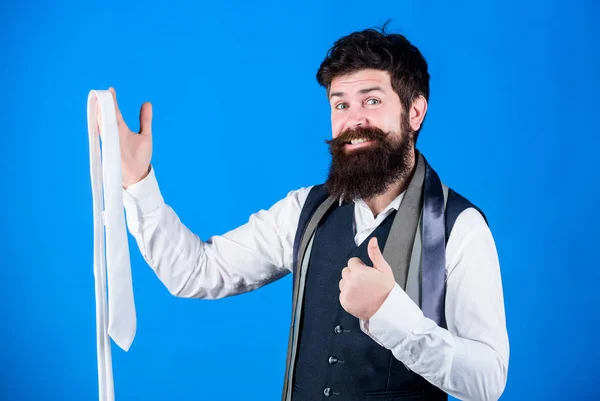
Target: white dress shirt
<point>469,360</point>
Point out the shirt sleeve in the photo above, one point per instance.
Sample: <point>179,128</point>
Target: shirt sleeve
<point>469,360</point>
<point>241,260</point>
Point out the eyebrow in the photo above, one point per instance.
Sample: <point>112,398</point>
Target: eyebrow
<point>362,91</point>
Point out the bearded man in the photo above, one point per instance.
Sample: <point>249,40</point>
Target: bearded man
<point>397,288</point>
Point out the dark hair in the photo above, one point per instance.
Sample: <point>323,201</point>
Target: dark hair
<point>377,49</point>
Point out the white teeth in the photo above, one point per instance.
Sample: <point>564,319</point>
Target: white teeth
<point>357,141</point>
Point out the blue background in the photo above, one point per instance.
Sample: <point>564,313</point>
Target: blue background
<point>239,120</point>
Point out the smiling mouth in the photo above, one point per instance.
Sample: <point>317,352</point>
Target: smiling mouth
<point>358,143</point>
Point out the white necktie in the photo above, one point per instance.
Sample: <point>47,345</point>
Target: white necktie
<point>113,261</point>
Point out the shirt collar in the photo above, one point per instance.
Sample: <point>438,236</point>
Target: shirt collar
<point>394,204</point>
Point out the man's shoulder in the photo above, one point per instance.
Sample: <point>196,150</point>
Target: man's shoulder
<point>457,203</point>
<point>464,216</point>
<point>309,193</point>
<point>301,192</point>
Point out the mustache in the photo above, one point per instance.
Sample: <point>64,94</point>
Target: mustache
<point>370,134</point>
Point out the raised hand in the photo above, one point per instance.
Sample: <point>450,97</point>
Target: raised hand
<point>136,147</point>
<point>363,289</point>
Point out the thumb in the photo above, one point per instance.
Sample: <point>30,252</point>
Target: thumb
<point>376,256</point>
<point>146,119</point>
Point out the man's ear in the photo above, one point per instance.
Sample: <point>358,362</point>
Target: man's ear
<point>417,112</point>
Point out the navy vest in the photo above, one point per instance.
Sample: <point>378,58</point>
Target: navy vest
<point>335,359</point>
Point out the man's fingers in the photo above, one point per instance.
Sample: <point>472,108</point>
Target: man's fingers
<point>120,121</point>
<point>146,119</point>
<point>99,120</point>
<point>355,263</point>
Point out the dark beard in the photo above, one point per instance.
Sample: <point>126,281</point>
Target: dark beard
<point>367,172</point>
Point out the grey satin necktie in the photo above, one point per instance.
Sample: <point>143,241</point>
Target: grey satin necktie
<point>433,269</point>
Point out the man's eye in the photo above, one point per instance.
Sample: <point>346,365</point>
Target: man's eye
<point>373,101</point>
<point>341,106</point>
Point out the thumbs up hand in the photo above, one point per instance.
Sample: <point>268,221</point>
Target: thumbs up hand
<point>363,289</point>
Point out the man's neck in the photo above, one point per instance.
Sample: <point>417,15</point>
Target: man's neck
<point>378,203</point>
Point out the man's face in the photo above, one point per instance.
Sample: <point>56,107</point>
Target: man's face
<point>372,141</point>
<point>364,99</point>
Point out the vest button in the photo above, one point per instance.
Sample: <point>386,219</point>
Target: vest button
<point>338,329</point>
<point>327,392</point>
<point>333,360</point>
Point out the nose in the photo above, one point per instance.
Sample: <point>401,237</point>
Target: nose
<point>357,118</point>
<point>353,118</point>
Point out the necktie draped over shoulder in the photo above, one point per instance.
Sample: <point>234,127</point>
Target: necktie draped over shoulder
<point>115,308</point>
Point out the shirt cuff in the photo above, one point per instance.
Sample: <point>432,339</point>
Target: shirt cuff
<point>144,196</point>
<point>397,317</point>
